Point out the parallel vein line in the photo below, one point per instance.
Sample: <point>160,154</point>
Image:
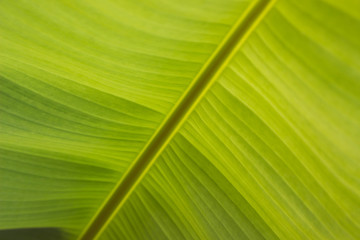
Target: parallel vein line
<point>177,116</point>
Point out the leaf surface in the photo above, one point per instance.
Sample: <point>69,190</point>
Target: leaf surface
<point>271,151</point>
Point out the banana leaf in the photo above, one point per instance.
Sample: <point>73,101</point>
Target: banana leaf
<point>197,119</point>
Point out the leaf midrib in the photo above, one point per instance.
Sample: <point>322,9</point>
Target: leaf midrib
<point>177,116</point>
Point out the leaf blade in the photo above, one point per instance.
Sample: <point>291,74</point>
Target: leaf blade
<point>273,127</point>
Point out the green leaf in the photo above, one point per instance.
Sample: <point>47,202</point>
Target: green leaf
<point>146,120</point>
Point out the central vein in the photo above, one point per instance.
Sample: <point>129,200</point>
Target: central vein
<point>170,126</point>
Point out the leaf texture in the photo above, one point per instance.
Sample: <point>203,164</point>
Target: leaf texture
<point>271,151</point>
<point>84,85</point>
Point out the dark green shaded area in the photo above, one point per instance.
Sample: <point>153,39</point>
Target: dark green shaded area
<point>32,234</point>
